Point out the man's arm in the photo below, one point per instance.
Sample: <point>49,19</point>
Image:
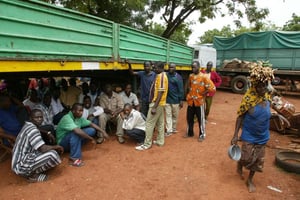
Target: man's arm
<point>153,109</point>
<point>120,106</point>
<point>210,86</point>
<point>238,125</point>
<point>82,134</point>
<point>95,126</point>
<point>217,79</point>
<point>187,86</point>
<point>181,90</point>
<point>130,68</point>
<point>44,148</point>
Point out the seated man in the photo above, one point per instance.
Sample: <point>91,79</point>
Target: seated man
<point>130,97</point>
<point>91,112</point>
<point>31,157</point>
<point>72,130</point>
<point>134,123</point>
<point>112,105</point>
<point>9,109</point>
<point>32,100</point>
<point>57,108</point>
<point>47,124</point>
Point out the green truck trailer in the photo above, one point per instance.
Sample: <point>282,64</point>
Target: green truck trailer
<point>40,39</point>
<point>281,49</point>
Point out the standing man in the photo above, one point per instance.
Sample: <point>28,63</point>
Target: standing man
<point>156,115</point>
<point>198,87</point>
<point>72,130</point>
<point>147,77</point>
<point>31,156</point>
<point>112,104</point>
<point>174,99</point>
<point>216,79</point>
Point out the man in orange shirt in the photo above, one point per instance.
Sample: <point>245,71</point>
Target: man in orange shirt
<point>198,86</point>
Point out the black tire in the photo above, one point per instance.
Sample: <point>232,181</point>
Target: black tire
<point>239,84</point>
<point>283,159</point>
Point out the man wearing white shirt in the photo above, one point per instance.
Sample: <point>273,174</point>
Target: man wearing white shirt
<point>130,97</point>
<point>134,123</point>
<point>91,113</point>
<point>57,107</point>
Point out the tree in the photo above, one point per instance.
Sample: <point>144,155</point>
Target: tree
<point>174,13</point>
<point>181,34</point>
<point>293,24</point>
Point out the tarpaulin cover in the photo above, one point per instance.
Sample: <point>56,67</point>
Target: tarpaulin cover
<point>260,40</point>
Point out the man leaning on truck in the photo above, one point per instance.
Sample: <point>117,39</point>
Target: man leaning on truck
<point>147,77</point>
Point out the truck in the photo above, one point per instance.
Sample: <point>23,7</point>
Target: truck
<point>205,53</point>
<point>38,39</point>
<point>280,49</point>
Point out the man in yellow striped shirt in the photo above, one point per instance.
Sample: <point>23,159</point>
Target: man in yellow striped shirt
<point>156,115</point>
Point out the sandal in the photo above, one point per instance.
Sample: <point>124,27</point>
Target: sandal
<point>77,163</point>
<point>37,178</point>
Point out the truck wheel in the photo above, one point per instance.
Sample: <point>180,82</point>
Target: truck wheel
<point>288,161</point>
<point>239,84</point>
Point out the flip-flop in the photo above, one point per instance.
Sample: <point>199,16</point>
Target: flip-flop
<point>37,178</point>
<point>77,163</point>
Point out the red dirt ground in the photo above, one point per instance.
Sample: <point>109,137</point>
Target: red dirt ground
<point>182,169</point>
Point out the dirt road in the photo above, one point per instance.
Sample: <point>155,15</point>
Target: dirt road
<point>183,169</point>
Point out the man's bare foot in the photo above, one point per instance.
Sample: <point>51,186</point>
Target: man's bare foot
<point>240,171</point>
<point>251,186</point>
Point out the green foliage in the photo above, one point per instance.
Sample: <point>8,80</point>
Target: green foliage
<point>181,34</point>
<point>293,24</point>
<point>226,31</point>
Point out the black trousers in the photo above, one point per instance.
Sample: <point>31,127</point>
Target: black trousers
<point>190,114</point>
<point>137,134</point>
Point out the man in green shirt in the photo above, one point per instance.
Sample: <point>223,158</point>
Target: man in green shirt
<point>72,130</point>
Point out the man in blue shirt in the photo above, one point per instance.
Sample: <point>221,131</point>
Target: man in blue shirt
<point>9,123</point>
<point>174,99</point>
<point>147,77</point>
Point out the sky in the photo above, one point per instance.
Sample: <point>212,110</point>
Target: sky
<point>280,12</point>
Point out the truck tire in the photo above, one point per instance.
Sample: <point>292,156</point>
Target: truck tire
<point>239,84</point>
<point>288,160</point>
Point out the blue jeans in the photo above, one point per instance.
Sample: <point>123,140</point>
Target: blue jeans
<point>72,142</point>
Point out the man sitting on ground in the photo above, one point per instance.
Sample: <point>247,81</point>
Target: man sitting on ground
<point>129,97</point>
<point>72,130</point>
<point>47,124</point>
<point>134,123</point>
<point>31,156</point>
<point>10,108</point>
<point>113,105</point>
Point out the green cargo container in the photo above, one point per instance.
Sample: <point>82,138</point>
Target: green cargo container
<point>37,37</point>
<point>281,49</point>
